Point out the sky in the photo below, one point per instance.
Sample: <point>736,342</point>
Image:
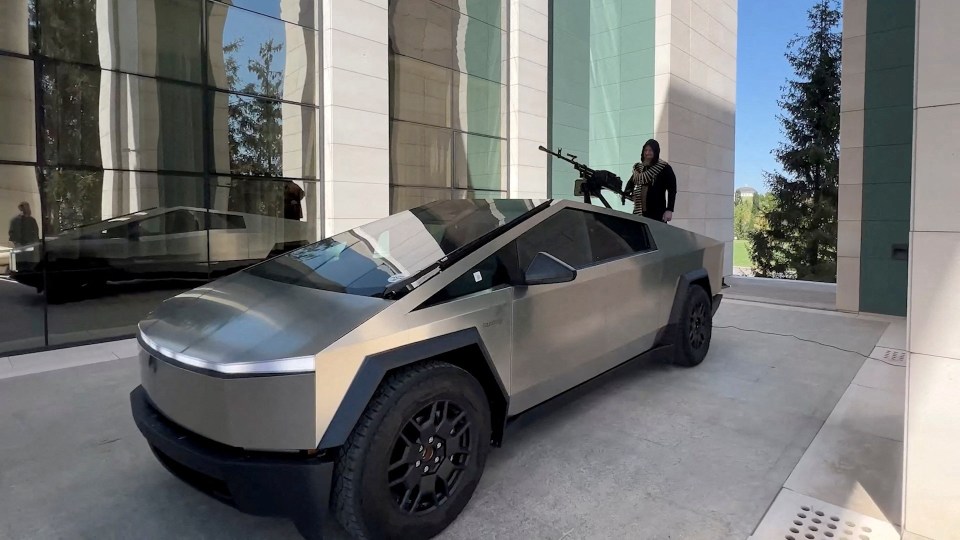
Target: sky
<point>764,29</point>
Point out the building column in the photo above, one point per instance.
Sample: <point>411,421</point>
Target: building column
<point>528,76</point>
<point>851,155</point>
<point>694,109</point>
<point>356,126</point>
<point>932,470</point>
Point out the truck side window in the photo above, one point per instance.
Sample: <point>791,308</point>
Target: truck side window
<point>496,271</point>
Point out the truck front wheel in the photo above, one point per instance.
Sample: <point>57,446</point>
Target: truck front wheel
<point>413,461</point>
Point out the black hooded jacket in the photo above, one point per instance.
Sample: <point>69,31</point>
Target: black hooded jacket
<point>662,195</point>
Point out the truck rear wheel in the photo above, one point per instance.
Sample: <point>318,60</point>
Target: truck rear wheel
<point>695,328</point>
<point>413,461</point>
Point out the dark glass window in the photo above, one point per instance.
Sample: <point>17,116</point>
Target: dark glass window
<point>302,12</point>
<point>479,162</point>
<point>612,237</point>
<point>117,38</point>
<point>428,31</point>
<point>160,130</point>
<point>255,142</point>
<point>563,235</point>
<point>21,221</point>
<point>421,155</point>
<point>125,124</point>
<point>446,94</point>
<point>581,238</point>
<point>261,217</point>
<point>225,221</point>
<point>18,138</point>
<point>254,54</point>
<point>498,270</point>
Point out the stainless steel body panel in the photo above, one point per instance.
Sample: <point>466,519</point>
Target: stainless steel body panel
<point>557,328</point>
<point>245,319</point>
<point>635,296</point>
<point>256,413</point>
<point>542,339</point>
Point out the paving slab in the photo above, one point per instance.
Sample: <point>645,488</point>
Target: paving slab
<point>649,451</point>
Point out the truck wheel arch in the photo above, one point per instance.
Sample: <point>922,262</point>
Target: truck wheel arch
<point>693,277</point>
<point>464,349</point>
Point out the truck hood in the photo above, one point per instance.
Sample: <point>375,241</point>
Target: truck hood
<point>245,325</point>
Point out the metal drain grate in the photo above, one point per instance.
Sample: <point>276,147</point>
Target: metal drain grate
<point>813,524</point>
<point>797,517</point>
<point>893,356</point>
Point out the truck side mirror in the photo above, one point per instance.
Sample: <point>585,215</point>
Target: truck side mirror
<point>546,269</point>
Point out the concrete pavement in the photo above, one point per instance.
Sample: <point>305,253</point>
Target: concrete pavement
<point>652,451</point>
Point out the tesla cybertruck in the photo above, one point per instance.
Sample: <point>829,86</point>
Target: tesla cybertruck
<point>368,374</point>
<point>172,242</point>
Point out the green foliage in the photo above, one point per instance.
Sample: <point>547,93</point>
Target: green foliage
<point>799,234</point>
<point>743,216</point>
<point>69,119</point>
<point>255,131</point>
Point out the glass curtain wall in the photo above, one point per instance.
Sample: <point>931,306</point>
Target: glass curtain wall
<point>448,100</point>
<point>148,146</point>
<point>601,86</point>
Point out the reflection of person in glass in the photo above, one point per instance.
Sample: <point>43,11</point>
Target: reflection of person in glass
<point>23,227</point>
<point>292,195</point>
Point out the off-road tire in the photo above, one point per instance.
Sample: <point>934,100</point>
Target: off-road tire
<point>694,329</point>
<point>362,501</point>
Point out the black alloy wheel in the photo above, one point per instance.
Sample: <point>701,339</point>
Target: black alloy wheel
<point>698,326</point>
<point>695,328</point>
<point>416,455</point>
<point>429,457</point>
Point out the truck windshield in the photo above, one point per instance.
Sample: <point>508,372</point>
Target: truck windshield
<point>366,260</point>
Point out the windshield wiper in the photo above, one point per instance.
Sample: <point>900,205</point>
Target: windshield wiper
<point>392,292</point>
<point>396,290</point>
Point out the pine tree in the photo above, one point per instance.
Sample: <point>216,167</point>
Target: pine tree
<point>800,236</point>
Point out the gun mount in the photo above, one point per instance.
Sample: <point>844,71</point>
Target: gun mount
<point>592,182</point>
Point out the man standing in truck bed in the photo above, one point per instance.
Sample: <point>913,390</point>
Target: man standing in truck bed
<point>653,185</point>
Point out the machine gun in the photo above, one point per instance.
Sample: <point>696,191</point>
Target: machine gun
<point>591,182</point>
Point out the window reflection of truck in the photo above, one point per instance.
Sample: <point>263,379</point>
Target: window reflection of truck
<point>159,243</point>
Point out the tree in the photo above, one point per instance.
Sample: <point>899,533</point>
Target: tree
<point>69,113</point>
<point>743,216</point>
<point>255,130</point>
<point>800,233</point>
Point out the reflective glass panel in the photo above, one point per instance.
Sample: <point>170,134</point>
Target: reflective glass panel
<point>428,31</point>
<point>117,244</point>
<point>18,138</point>
<point>420,155</point>
<point>367,259</point>
<point>302,12</point>
<point>15,27</point>
<point>147,37</point>
<point>423,30</point>
<point>479,49</point>
<point>480,106</point>
<point>254,54</point>
<point>488,11</point>
<point>149,125</point>
<point>263,137</point>
<point>421,92</point>
<point>479,162</point>
<point>405,198</point>
<point>20,275</point>
<point>251,220</point>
